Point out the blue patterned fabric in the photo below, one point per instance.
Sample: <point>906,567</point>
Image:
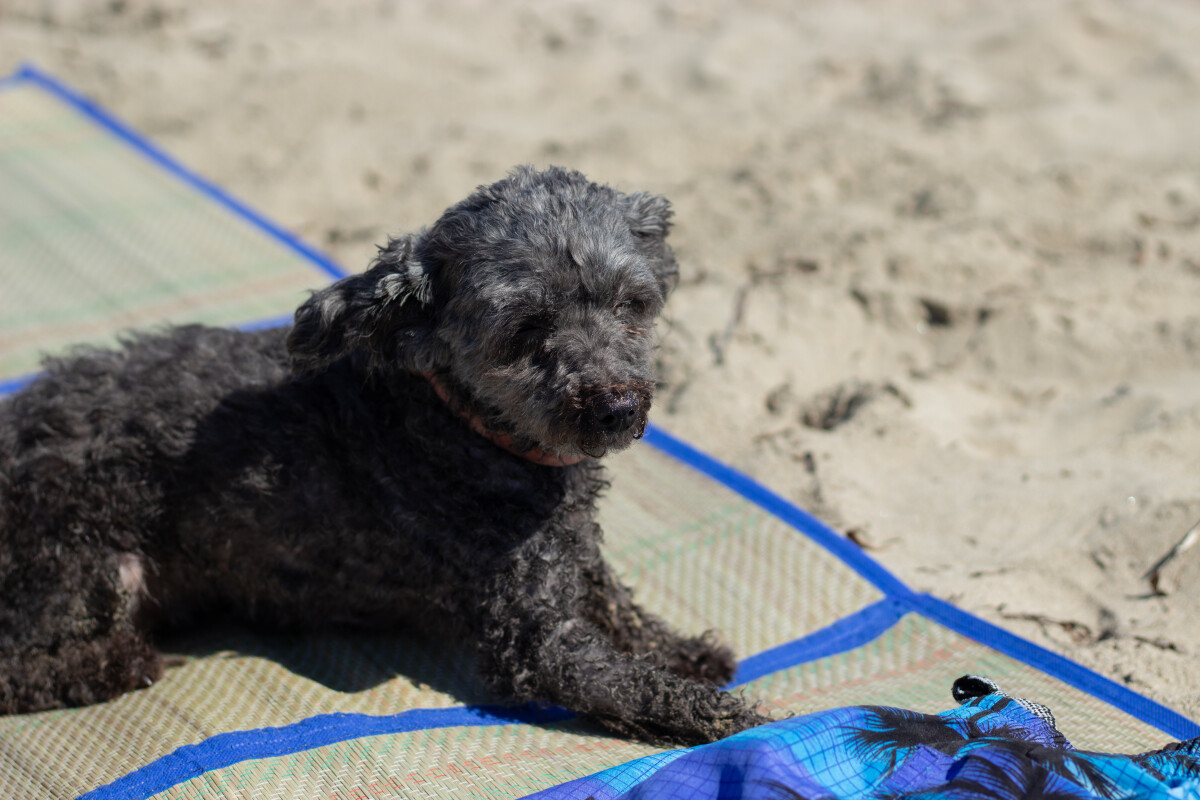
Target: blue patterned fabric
<point>991,746</point>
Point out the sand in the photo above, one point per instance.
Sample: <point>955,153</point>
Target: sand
<point>941,260</point>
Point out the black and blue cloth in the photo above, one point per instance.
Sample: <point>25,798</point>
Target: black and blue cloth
<point>991,746</point>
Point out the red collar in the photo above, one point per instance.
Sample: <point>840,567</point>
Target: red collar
<point>500,439</point>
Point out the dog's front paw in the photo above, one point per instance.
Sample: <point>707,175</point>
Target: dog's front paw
<point>699,715</point>
<point>703,658</point>
<point>741,717</point>
<point>730,714</point>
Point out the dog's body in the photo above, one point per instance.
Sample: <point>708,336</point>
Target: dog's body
<point>418,451</point>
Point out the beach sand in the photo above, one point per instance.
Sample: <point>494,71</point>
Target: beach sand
<point>940,260</point>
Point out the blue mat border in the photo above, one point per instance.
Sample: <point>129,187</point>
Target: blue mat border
<point>10,385</point>
<point>227,749</point>
<point>1151,712</point>
<point>234,747</point>
<point>968,625</point>
<point>847,633</point>
<point>851,631</point>
<point>29,74</point>
<point>845,550</point>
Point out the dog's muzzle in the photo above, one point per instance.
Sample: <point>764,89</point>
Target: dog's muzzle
<point>615,412</point>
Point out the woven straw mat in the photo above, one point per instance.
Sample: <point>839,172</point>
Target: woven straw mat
<point>96,237</point>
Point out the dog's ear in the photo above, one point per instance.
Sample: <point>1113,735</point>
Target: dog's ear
<point>649,218</point>
<point>386,313</point>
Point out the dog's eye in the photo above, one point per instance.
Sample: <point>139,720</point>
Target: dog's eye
<point>534,329</point>
<point>627,308</point>
<point>525,338</point>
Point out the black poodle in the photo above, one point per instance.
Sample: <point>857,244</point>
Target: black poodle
<point>420,449</point>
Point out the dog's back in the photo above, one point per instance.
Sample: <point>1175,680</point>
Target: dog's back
<point>93,439</point>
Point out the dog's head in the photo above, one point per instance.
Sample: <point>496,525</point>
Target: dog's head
<point>532,303</point>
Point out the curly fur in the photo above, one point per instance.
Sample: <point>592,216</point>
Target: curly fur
<point>313,475</point>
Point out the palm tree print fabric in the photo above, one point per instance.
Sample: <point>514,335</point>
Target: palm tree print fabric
<point>991,746</point>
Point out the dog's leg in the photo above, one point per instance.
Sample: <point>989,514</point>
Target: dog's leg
<point>536,645</point>
<point>67,633</point>
<point>632,629</point>
<point>76,673</point>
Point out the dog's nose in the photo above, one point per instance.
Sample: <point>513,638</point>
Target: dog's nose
<point>617,411</point>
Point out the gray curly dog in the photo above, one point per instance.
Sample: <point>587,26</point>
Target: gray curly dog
<point>420,450</point>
